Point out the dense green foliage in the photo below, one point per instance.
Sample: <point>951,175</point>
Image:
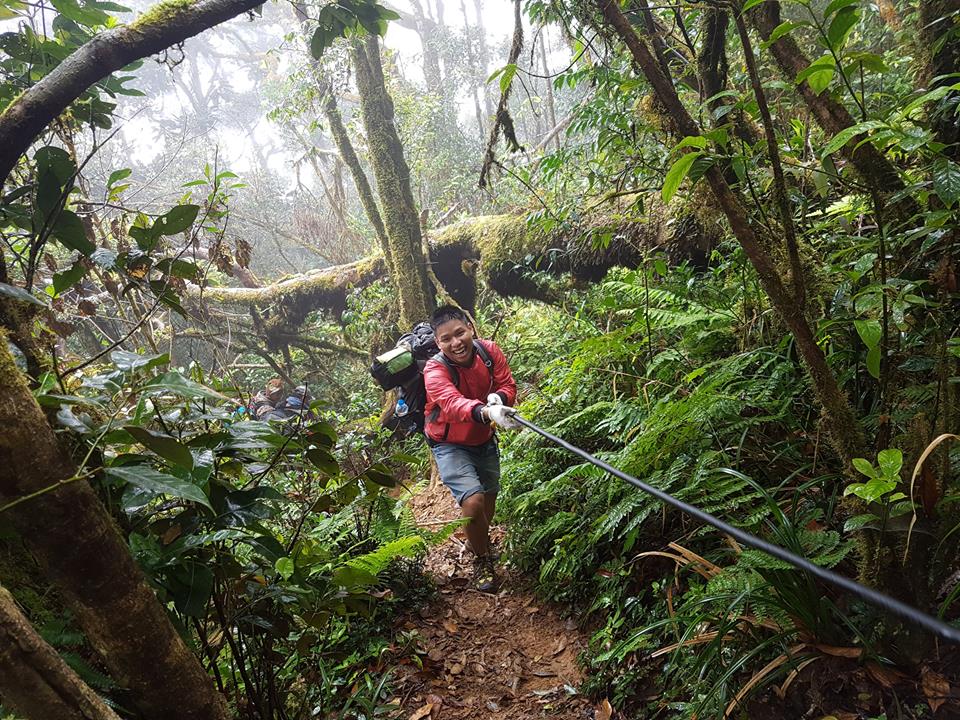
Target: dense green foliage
<point>283,552</point>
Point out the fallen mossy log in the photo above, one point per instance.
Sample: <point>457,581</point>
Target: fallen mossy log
<point>512,256</point>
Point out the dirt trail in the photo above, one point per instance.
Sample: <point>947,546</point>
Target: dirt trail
<point>486,656</point>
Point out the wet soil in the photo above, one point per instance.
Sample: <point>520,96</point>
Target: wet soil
<point>504,655</point>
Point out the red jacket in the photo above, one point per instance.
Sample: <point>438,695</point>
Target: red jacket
<point>457,421</point>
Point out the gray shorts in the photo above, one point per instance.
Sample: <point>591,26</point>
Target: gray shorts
<point>467,470</point>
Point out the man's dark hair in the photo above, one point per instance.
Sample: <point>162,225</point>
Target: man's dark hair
<point>446,313</point>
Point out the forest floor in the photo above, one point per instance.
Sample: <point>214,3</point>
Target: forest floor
<point>487,656</point>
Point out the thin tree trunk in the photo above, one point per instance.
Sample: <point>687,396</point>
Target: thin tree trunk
<point>392,173</point>
<point>874,169</point>
<point>66,527</point>
<point>157,29</point>
<point>35,682</point>
<point>838,418</point>
<point>345,147</point>
<point>551,104</point>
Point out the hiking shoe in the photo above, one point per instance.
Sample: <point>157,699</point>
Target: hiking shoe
<point>492,550</point>
<point>484,574</point>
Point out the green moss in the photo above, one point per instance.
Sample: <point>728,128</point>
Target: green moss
<point>162,12</point>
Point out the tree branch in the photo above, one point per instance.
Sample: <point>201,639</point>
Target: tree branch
<point>160,27</point>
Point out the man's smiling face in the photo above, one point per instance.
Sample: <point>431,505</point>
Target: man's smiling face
<point>455,340</point>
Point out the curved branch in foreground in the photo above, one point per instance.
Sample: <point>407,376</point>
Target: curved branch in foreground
<point>160,27</point>
<point>34,679</point>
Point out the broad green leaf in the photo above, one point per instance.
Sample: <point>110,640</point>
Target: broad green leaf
<point>177,384</point>
<point>506,77</point>
<point>675,175</point>
<point>118,175</point>
<point>190,585</point>
<point>178,268</point>
<point>890,462</point>
<point>380,475</point>
<point>818,74</point>
<point>159,483</point>
<point>19,294</point>
<point>865,467</point>
<point>57,161</point>
<point>750,4</point>
<point>697,141</point>
<point>931,96</point>
<point>177,220</point>
<point>285,567</point>
<point>128,361</point>
<point>322,433</point>
<point>858,522</point>
<point>784,28</point>
<point>322,458</point>
<point>870,331</point>
<point>68,278</point>
<point>873,361</point>
<point>870,61</point>
<point>347,576</point>
<point>841,26</point>
<point>837,5</point>
<point>946,180</point>
<point>69,231</point>
<point>163,445</point>
<point>847,134</point>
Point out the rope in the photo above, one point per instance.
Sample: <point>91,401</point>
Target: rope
<point>882,601</point>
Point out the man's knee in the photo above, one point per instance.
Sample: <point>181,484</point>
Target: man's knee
<point>473,504</point>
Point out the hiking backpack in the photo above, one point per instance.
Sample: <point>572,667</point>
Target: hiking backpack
<point>402,368</point>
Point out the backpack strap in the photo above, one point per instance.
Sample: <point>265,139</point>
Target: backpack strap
<point>485,356</point>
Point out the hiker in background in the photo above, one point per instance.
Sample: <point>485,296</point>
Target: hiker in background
<point>267,400</point>
<point>469,388</point>
<point>298,402</point>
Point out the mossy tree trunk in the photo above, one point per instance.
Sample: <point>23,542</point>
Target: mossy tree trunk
<point>838,416</point>
<point>409,271</point>
<point>499,250</point>
<point>940,41</point>
<point>873,167</point>
<point>66,527</point>
<point>341,139</point>
<point>35,682</point>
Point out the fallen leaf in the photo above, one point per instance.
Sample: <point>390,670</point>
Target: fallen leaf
<point>450,626</point>
<point>845,652</point>
<point>561,646</point>
<point>422,712</point>
<point>532,610</point>
<point>172,533</point>
<point>492,706</point>
<point>456,669</point>
<point>888,677</point>
<point>603,711</point>
<point>434,699</point>
<point>935,687</point>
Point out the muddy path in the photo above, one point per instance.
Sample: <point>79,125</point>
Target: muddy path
<point>487,656</point>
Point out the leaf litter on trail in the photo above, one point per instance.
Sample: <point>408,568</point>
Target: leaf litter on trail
<point>488,656</point>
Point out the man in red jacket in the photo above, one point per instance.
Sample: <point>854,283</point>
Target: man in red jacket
<point>469,387</point>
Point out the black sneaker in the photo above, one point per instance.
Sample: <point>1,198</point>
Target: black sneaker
<point>484,574</point>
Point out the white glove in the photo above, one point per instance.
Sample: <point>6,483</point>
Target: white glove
<point>500,414</point>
